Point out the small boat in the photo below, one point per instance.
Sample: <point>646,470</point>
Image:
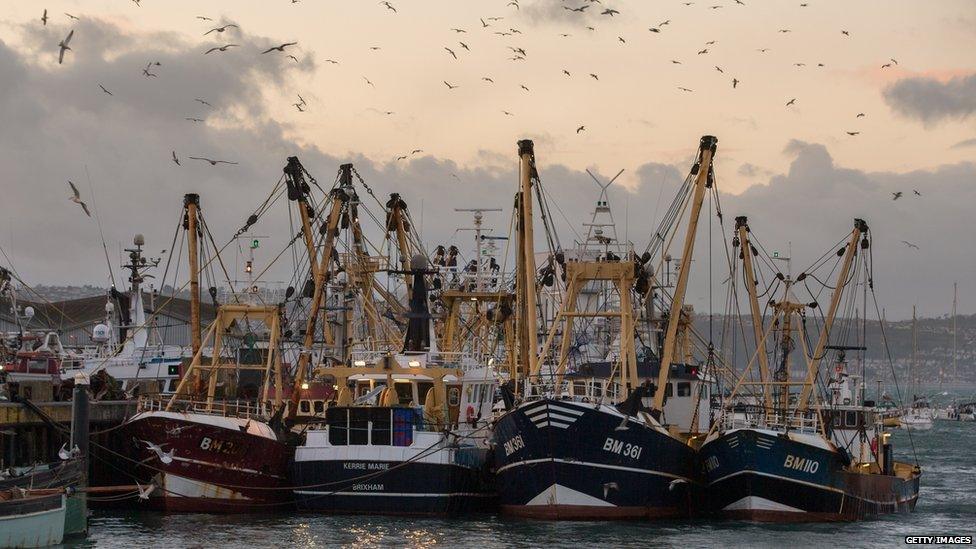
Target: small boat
<point>28,520</point>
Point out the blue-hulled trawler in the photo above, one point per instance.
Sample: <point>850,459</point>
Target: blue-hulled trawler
<point>610,439</point>
<point>784,455</point>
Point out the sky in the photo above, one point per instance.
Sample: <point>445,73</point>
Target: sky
<point>794,169</point>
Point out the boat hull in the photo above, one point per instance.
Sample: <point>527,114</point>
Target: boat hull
<point>36,521</point>
<point>353,486</point>
<point>562,460</point>
<point>213,469</point>
<point>765,477</point>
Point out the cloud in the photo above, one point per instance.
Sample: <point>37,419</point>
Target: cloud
<point>965,143</point>
<point>751,170</point>
<point>57,122</point>
<point>932,101</point>
<point>559,11</point>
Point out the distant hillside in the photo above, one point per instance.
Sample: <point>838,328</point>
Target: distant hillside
<point>934,348</point>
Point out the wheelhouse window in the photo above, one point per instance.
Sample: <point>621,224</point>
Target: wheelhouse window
<point>684,389</point>
<point>404,391</point>
<point>422,388</point>
<point>851,418</point>
<point>380,428</point>
<point>338,421</point>
<point>359,426</point>
<point>318,406</point>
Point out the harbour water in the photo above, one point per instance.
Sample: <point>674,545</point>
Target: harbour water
<point>947,506</point>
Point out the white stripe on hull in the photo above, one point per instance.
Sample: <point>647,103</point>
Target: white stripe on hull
<point>755,503</point>
<point>591,464</point>
<point>177,486</point>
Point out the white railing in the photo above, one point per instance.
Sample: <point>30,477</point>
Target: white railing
<point>753,418</point>
<point>225,408</point>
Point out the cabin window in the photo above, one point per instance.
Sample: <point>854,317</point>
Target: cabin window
<point>598,389</point>
<point>851,419</point>
<point>304,407</point>
<point>359,426</point>
<point>318,406</point>
<point>404,391</point>
<point>837,420</point>
<point>380,431</point>
<point>338,419</point>
<point>669,390</point>
<point>422,388</point>
<point>684,389</point>
<point>579,388</point>
<point>173,384</point>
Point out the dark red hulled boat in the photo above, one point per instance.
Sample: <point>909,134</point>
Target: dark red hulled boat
<point>209,462</point>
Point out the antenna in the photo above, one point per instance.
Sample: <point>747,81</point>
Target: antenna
<point>478,238</point>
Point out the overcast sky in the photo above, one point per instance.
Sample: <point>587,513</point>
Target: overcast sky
<point>793,169</point>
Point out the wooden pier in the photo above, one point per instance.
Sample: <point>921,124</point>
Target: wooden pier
<point>26,438</point>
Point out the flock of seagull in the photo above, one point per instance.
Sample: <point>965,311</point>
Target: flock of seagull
<point>487,24</point>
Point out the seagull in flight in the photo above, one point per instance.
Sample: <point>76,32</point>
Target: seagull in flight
<point>791,102</point>
<point>175,159</point>
<point>909,244</point>
<point>280,48</point>
<point>853,133</point>
<point>685,89</point>
<point>719,69</point>
<point>368,82</point>
<point>486,79</point>
<point>202,18</point>
<point>845,33</point>
<point>507,113</point>
<point>202,102</point>
<point>581,128</point>
<point>610,12</point>
<point>654,29</point>
<point>860,115</point>
<point>896,196</point>
<point>333,61</point>
<point>165,457</point>
<point>64,46</point>
<point>221,29</point>
<point>104,90</point>
<point>465,46</point>
<point>735,82</point>
<point>44,18</point>
<point>389,6</point>
<point>459,31</point>
<point>523,87</point>
<point>595,77</point>
<point>703,52</point>
<point>71,16</point>
<point>450,51</point>
<point>221,48</point>
<point>449,85</point>
<point>212,162</point>
<point>580,9</point>
<point>146,72</point>
<point>76,198</point>
<point>193,119</point>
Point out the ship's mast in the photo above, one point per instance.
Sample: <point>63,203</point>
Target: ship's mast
<point>529,341</point>
<point>955,373</point>
<point>703,171</point>
<point>191,203</point>
<point>849,253</point>
<point>339,199</point>
<point>747,252</point>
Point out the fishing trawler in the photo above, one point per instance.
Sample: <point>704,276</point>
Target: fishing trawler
<point>122,342</point>
<point>787,457</point>
<point>583,446</point>
<point>408,433</point>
